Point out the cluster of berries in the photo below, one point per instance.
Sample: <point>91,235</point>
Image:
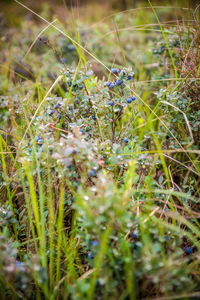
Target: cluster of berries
<point>119,80</point>
<point>129,100</point>
<point>122,75</point>
<point>52,111</point>
<point>75,86</point>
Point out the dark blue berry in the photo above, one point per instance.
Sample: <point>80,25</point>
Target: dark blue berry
<point>59,117</point>
<point>166,237</point>
<point>119,82</point>
<point>123,72</point>
<point>115,70</point>
<point>77,101</point>
<point>136,246</point>
<point>134,235</point>
<point>92,173</point>
<point>112,85</point>
<point>188,250</point>
<point>52,112</point>
<point>82,130</point>
<point>94,117</point>
<point>111,103</point>
<point>129,77</point>
<point>57,105</point>
<point>125,140</point>
<point>107,83</point>
<point>69,83</point>
<point>129,100</point>
<point>74,151</point>
<point>133,98</point>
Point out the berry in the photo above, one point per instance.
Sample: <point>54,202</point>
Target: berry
<point>107,83</point>
<point>133,98</point>
<point>129,100</point>
<point>136,246</point>
<point>188,250</point>
<point>111,103</point>
<point>74,151</point>
<point>69,83</point>
<point>52,112</point>
<point>94,243</point>
<point>134,235</point>
<point>90,255</point>
<point>72,47</point>
<point>119,82</point>
<point>59,117</point>
<point>94,117</point>
<point>112,85</point>
<point>129,77</point>
<point>92,173</point>
<point>115,71</point>
<point>166,237</point>
<point>125,140</point>
<point>77,101</point>
<point>39,142</point>
<point>123,72</point>
<point>19,265</point>
<point>57,105</point>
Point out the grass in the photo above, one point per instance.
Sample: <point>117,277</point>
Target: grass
<point>99,196</point>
